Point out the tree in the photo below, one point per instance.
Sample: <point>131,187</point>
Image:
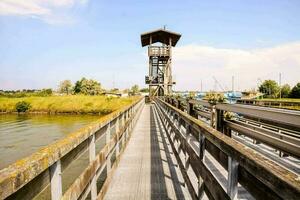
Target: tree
<point>77,87</point>
<point>45,92</point>
<point>285,91</point>
<point>270,88</point>
<point>295,93</point>
<point>135,89</point>
<point>65,87</point>
<point>87,87</point>
<point>144,90</point>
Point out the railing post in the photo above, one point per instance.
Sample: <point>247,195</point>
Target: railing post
<point>92,156</point>
<point>118,122</point>
<point>56,181</point>
<point>188,137</point>
<point>108,159</point>
<point>212,117</point>
<point>191,110</point>
<point>179,146</point>
<point>232,185</point>
<point>201,156</point>
<point>219,120</point>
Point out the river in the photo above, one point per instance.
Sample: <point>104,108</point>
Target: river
<point>22,135</point>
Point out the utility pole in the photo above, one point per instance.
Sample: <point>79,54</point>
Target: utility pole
<point>280,85</point>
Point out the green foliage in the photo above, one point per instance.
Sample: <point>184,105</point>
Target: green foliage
<point>22,106</point>
<point>134,90</point>
<point>229,115</point>
<point>65,87</point>
<point>87,87</point>
<point>270,88</point>
<point>295,93</point>
<point>76,104</point>
<point>285,91</point>
<point>144,90</point>
<point>192,95</point>
<point>45,92</point>
<point>214,98</point>
<point>26,93</point>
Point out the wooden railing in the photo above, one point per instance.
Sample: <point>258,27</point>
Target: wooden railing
<point>278,128</point>
<point>260,177</point>
<point>158,51</point>
<point>26,178</point>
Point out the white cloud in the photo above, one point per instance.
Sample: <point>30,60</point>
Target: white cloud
<point>50,11</point>
<point>195,62</point>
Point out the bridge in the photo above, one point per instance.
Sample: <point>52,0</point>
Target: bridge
<point>164,147</point>
<point>154,151</point>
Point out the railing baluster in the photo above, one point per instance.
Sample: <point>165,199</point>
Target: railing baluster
<point>188,138</point>
<point>108,159</point>
<point>92,155</point>
<point>232,185</point>
<point>118,123</point>
<point>201,156</point>
<point>56,181</point>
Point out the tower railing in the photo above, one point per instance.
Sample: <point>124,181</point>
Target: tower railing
<point>158,51</point>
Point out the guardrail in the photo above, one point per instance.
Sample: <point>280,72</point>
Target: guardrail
<point>28,177</point>
<point>262,178</point>
<point>275,127</point>
<point>158,51</point>
<point>270,103</point>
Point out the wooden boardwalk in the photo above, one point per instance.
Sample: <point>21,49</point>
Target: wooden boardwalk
<point>148,168</point>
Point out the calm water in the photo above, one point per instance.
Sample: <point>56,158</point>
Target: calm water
<point>21,135</point>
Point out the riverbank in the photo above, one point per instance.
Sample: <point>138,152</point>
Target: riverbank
<point>71,104</point>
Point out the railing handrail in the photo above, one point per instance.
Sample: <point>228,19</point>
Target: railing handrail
<point>277,179</point>
<point>18,174</point>
<point>285,139</point>
<point>287,117</point>
<point>262,102</point>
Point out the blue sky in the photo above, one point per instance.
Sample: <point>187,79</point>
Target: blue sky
<point>46,41</point>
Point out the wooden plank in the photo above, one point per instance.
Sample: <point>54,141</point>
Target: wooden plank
<point>232,186</point>
<point>33,188</point>
<point>56,181</point>
<point>154,174</point>
<point>92,157</point>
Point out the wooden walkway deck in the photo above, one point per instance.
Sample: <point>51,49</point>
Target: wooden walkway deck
<point>148,168</point>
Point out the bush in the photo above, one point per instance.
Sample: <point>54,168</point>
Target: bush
<point>214,98</point>
<point>22,106</point>
<point>295,93</point>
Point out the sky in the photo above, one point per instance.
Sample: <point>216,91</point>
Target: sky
<point>43,42</point>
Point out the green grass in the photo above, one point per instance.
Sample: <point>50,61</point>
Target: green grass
<point>73,104</point>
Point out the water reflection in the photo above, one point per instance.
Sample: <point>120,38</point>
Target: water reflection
<point>22,135</point>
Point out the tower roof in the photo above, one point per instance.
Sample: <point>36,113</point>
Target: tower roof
<point>159,35</point>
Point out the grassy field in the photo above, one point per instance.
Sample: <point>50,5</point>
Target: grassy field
<point>75,104</point>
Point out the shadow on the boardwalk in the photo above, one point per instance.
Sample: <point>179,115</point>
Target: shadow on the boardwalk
<point>160,145</point>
